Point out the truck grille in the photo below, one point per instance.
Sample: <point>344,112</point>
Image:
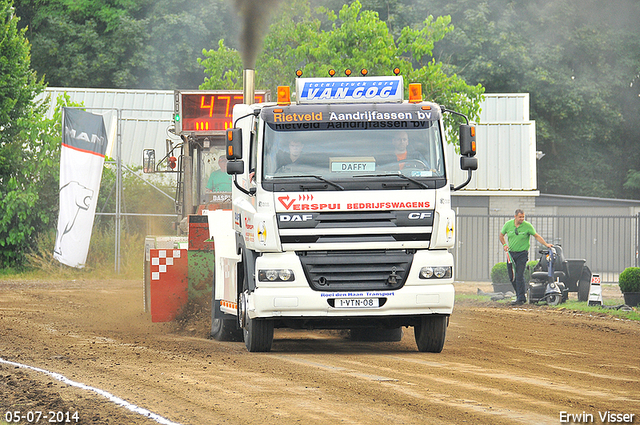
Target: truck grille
<point>356,270</point>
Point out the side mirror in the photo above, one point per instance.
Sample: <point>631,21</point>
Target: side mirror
<point>149,161</point>
<point>467,163</point>
<point>467,140</point>
<point>235,167</point>
<point>234,144</point>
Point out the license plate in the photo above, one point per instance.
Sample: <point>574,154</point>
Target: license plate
<point>357,303</point>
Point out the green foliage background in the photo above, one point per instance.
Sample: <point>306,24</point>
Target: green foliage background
<point>629,279</point>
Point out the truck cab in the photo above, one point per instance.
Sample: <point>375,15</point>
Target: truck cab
<point>341,214</point>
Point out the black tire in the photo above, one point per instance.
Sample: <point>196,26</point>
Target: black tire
<point>225,330</point>
<point>258,335</point>
<point>376,334</point>
<point>554,299</point>
<point>584,285</point>
<point>431,332</point>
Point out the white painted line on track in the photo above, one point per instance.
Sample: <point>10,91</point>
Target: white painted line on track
<point>112,398</point>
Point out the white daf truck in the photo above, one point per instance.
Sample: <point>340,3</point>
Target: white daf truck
<point>341,214</point>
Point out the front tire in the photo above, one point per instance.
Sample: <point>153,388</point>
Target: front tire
<point>554,299</point>
<point>258,335</point>
<point>431,332</point>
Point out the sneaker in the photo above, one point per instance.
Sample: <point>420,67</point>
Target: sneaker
<point>518,302</point>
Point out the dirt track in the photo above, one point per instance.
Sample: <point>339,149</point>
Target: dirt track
<point>500,365</point>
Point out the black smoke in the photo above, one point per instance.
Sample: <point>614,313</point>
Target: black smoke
<point>255,15</point>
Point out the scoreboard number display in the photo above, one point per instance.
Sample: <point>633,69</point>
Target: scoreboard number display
<point>207,112</point>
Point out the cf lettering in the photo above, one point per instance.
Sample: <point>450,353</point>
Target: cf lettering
<point>418,216</point>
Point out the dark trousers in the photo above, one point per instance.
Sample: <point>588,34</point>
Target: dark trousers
<point>520,263</point>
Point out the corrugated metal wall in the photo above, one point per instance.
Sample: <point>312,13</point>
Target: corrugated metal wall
<point>145,119</point>
<point>506,147</point>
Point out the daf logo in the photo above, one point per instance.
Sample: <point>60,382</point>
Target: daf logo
<point>296,217</point>
<point>419,216</point>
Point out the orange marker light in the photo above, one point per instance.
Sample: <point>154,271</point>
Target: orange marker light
<point>299,73</point>
<point>284,95</point>
<point>332,72</point>
<point>396,70</point>
<point>347,72</point>
<point>415,92</point>
<point>230,151</point>
<point>364,72</point>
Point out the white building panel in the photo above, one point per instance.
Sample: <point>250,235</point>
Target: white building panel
<point>145,116</point>
<point>505,107</point>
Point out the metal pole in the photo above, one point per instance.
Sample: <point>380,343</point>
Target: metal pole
<point>118,193</point>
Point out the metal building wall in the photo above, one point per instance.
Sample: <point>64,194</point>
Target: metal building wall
<point>145,116</point>
<point>506,147</point>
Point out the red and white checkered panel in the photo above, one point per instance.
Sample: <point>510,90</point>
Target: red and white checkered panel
<point>169,283</point>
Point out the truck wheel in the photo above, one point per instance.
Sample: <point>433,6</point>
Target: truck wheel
<point>376,334</point>
<point>258,333</point>
<point>225,330</point>
<point>430,333</point>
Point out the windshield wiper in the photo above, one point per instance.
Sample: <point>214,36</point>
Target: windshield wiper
<point>398,174</point>
<point>322,179</point>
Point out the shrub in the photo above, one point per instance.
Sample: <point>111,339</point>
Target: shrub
<point>629,280</point>
<point>499,272</point>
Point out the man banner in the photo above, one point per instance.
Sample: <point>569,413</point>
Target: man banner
<point>84,143</point>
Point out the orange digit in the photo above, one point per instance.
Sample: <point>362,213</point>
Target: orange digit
<point>228,99</point>
<point>210,106</point>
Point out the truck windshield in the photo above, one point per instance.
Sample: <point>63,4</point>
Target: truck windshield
<point>339,154</point>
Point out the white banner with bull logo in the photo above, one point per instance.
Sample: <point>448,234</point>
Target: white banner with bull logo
<point>84,144</point>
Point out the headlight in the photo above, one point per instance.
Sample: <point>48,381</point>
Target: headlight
<point>271,274</point>
<point>285,274</point>
<point>426,272</point>
<point>439,272</point>
<point>275,275</point>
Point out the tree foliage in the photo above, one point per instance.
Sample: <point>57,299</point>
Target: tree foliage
<point>28,146</point>
<point>357,39</point>
<point>580,63</point>
<point>123,43</point>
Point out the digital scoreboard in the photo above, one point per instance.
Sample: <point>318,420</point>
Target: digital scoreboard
<point>207,112</point>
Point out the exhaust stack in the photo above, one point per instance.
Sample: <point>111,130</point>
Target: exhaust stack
<point>248,86</point>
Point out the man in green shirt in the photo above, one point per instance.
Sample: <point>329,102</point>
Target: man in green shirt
<point>518,232</point>
<point>219,180</point>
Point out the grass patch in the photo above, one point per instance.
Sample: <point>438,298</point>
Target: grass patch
<point>570,305</point>
<point>574,305</point>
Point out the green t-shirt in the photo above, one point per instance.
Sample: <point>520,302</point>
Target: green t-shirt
<point>518,242</point>
<point>219,181</point>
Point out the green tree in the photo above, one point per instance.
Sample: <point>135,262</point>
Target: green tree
<point>90,43</point>
<point>356,40</point>
<point>580,63</point>
<point>124,43</point>
<point>25,145</point>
